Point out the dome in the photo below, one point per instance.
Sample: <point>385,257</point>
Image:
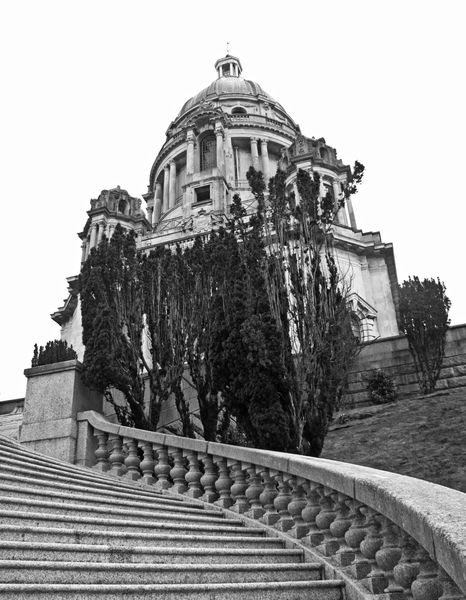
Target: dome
<point>236,86</point>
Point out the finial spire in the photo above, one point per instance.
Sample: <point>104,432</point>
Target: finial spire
<point>228,48</point>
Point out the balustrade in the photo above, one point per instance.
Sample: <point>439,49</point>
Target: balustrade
<point>374,551</point>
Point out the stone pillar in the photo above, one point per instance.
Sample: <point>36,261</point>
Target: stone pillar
<point>265,160</point>
<point>352,218</point>
<point>190,152</point>
<point>150,210</point>
<point>229,161</point>
<point>254,153</point>
<point>93,235</point>
<point>84,251</point>
<point>172,190</point>
<point>166,186</point>
<point>220,151</point>
<point>341,215</point>
<point>55,395</point>
<point>158,202</point>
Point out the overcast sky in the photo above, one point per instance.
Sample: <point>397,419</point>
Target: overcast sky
<point>89,89</point>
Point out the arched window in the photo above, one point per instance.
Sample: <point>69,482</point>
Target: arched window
<point>239,110</point>
<point>208,152</point>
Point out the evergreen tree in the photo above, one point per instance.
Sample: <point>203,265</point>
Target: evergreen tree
<point>112,322</point>
<point>308,300</point>
<point>424,320</point>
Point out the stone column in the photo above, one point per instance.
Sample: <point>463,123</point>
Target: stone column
<point>190,152</point>
<point>84,251</point>
<point>229,161</point>
<point>101,232</point>
<point>220,151</point>
<point>352,218</point>
<point>166,185</point>
<point>254,153</point>
<point>172,191</point>
<point>150,210</point>
<point>158,202</point>
<point>93,235</point>
<point>236,162</point>
<point>341,215</point>
<point>265,160</point>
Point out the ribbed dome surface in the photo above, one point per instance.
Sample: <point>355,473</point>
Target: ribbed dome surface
<point>226,85</point>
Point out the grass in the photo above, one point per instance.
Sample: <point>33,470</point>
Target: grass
<point>423,437</point>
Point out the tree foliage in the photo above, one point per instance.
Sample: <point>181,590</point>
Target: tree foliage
<point>308,302</point>
<point>424,320</point>
<point>112,321</point>
<point>54,351</point>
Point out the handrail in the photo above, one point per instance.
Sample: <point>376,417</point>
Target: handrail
<point>377,519</point>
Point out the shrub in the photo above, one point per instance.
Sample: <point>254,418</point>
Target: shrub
<point>382,387</point>
<point>56,351</point>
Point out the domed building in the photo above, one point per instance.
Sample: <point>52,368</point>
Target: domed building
<point>218,134</point>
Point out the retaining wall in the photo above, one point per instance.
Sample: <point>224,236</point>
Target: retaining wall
<point>392,354</point>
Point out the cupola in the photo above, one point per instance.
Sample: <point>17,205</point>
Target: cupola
<point>229,66</point>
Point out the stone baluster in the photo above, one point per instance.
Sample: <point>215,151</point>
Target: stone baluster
<point>268,496</point>
<point>449,589</point>
<point>426,585</point>
<point>407,569</point>
<point>325,518</point>
<point>375,581</point>
<point>223,483</point>
<point>166,188</point>
<point>281,502</point>
<point>162,468</point>
<point>101,452</point>
<point>147,464</point>
<point>354,537</point>
<point>253,493</point>
<point>193,476</point>
<point>117,456</point>
<point>254,153</point>
<point>295,508</point>
<point>389,556</point>
<point>209,478</point>
<point>132,460</point>
<point>178,472</point>
<point>158,202</point>
<point>314,536</point>
<point>344,555</point>
<point>239,487</point>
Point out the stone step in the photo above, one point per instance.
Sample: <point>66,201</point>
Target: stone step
<point>172,514</point>
<point>244,537</point>
<point>26,478</point>
<point>13,465</point>
<point>299,590</point>
<point>13,571</point>
<point>135,504</point>
<point>50,519</point>
<point>40,551</point>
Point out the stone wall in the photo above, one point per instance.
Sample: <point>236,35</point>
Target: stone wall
<point>392,354</point>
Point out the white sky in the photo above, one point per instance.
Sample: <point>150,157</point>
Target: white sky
<point>89,89</point>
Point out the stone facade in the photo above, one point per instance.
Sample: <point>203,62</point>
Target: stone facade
<point>218,134</point>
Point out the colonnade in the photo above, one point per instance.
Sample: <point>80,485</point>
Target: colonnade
<point>164,194</point>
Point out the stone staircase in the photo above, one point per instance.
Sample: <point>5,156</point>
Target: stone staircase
<point>70,532</point>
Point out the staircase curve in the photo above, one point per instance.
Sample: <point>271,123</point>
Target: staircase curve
<point>148,515</point>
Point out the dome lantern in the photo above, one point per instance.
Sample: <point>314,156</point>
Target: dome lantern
<point>229,66</point>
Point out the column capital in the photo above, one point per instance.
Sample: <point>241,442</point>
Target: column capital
<point>172,163</point>
<point>166,167</point>
<point>253,140</point>
<point>264,142</point>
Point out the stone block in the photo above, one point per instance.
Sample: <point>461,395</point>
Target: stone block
<point>457,382</point>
